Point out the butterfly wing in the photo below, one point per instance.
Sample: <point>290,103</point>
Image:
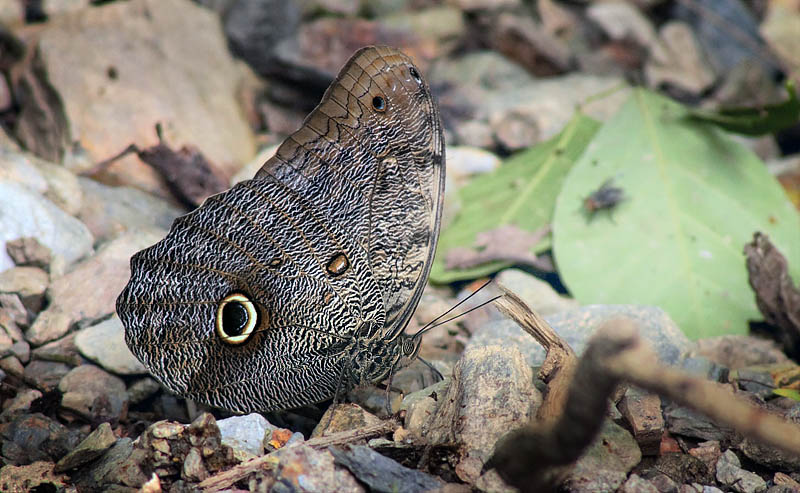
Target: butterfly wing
<point>331,239</point>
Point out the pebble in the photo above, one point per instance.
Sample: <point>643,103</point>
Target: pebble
<point>29,283</point>
<point>61,350</point>
<point>38,476</point>
<point>92,447</point>
<point>111,211</point>
<point>245,434</point>
<point>536,293</point>
<point>605,464</point>
<point>77,296</point>
<point>142,389</point>
<point>302,468</point>
<point>29,252</point>
<point>381,473</point>
<point>491,393</point>
<point>577,326</point>
<point>735,351</point>
<point>34,437</point>
<point>104,344</point>
<point>731,474</point>
<point>45,375</point>
<point>66,237</point>
<point>642,411</point>
<point>635,484</point>
<point>94,394</point>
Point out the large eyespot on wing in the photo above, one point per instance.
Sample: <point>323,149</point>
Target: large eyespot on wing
<point>372,154</point>
<point>248,303</point>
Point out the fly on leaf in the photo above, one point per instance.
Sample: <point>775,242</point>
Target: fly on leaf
<point>604,198</point>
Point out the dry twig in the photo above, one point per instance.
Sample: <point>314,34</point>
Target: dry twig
<point>536,457</point>
<point>227,478</point>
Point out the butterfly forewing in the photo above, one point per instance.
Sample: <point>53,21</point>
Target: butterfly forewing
<point>331,242</point>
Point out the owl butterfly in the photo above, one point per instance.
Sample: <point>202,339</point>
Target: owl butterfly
<point>292,286</point>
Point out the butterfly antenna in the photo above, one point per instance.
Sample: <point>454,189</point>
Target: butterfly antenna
<point>436,321</point>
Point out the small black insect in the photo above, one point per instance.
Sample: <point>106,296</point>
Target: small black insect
<point>604,198</point>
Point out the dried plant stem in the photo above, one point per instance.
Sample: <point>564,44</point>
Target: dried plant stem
<point>537,457</point>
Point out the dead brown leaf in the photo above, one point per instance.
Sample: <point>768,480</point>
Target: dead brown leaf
<point>506,243</point>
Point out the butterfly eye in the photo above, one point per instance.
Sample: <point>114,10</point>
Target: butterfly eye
<point>379,104</point>
<point>236,319</point>
<point>415,75</point>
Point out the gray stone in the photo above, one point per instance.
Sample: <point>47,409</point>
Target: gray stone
<point>245,434</point>
<point>704,368</point>
<point>21,350</point>
<point>577,326</point>
<point>19,404</point>
<point>636,484</point>
<point>605,464</point>
<point>420,406</point>
<point>93,393</point>
<point>61,350</point>
<point>622,21</point>
<point>731,474</point>
<point>77,296</point>
<point>46,374</point>
<point>304,469</point>
<point>110,211</point>
<point>491,393</point>
<point>104,344</point>
<point>142,389</point>
<point>89,449</point>
<point>66,237</point>
<point>62,186</point>
<point>381,473</point>
<point>686,422</point>
<point>736,352</point>
<point>29,283</point>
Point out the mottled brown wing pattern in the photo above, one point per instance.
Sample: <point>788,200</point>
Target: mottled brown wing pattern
<point>329,245</point>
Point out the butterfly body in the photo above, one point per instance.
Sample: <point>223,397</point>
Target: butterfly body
<point>282,290</point>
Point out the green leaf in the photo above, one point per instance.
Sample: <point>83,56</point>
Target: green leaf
<point>790,393</point>
<point>756,121</point>
<point>693,198</point>
<point>521,192</point>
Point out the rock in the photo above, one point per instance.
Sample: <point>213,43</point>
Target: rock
<point>38,476</point>
<point>736,352</point>
<point>29,283</point>
<point>680,468</point>
<point>730,473</point>
<point>381,473</point>
<point>770,457</point>
<point>604,465</point>
<point>757,380</point>
<point>76,296</point>
<point>13,315</point>
<point>642,411</point>
<point>61,350</point>
<point>111,211</point>
<point>66,237</point>
<point>11,366</point>
<point>538,294</point>
<point>89,449</point>
<point>22,350</point>
<point>245,434</point>
<point>577,326</point>
<point>491,393</point>
<point>35,437</point>
<point>58,7</point>
<point>622,21</point>
<point>704,368</point>
<point>132,58</point>
<point>636,484</point>
<point>341,7</point>
<point>29,252</point>
<point>465,162</point>
<point>104,344</point>
<point>442,25</point>
<point>62,186</point>
<point>19,404</point>
<point>708,452</point>
<point>779,28</point>
<point>678,61</point>
<point>343,417</point>
<point>142,390</point>
<point>94,394</point>
<point>256,28</point>
<point>514,130</point>
<point>528,42</point>
<point>420,406</point>
<point>304,469</point>
<point>121,465</point>
<point>18,167</point>
<point>46,374</point>
<point>686,422</point>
